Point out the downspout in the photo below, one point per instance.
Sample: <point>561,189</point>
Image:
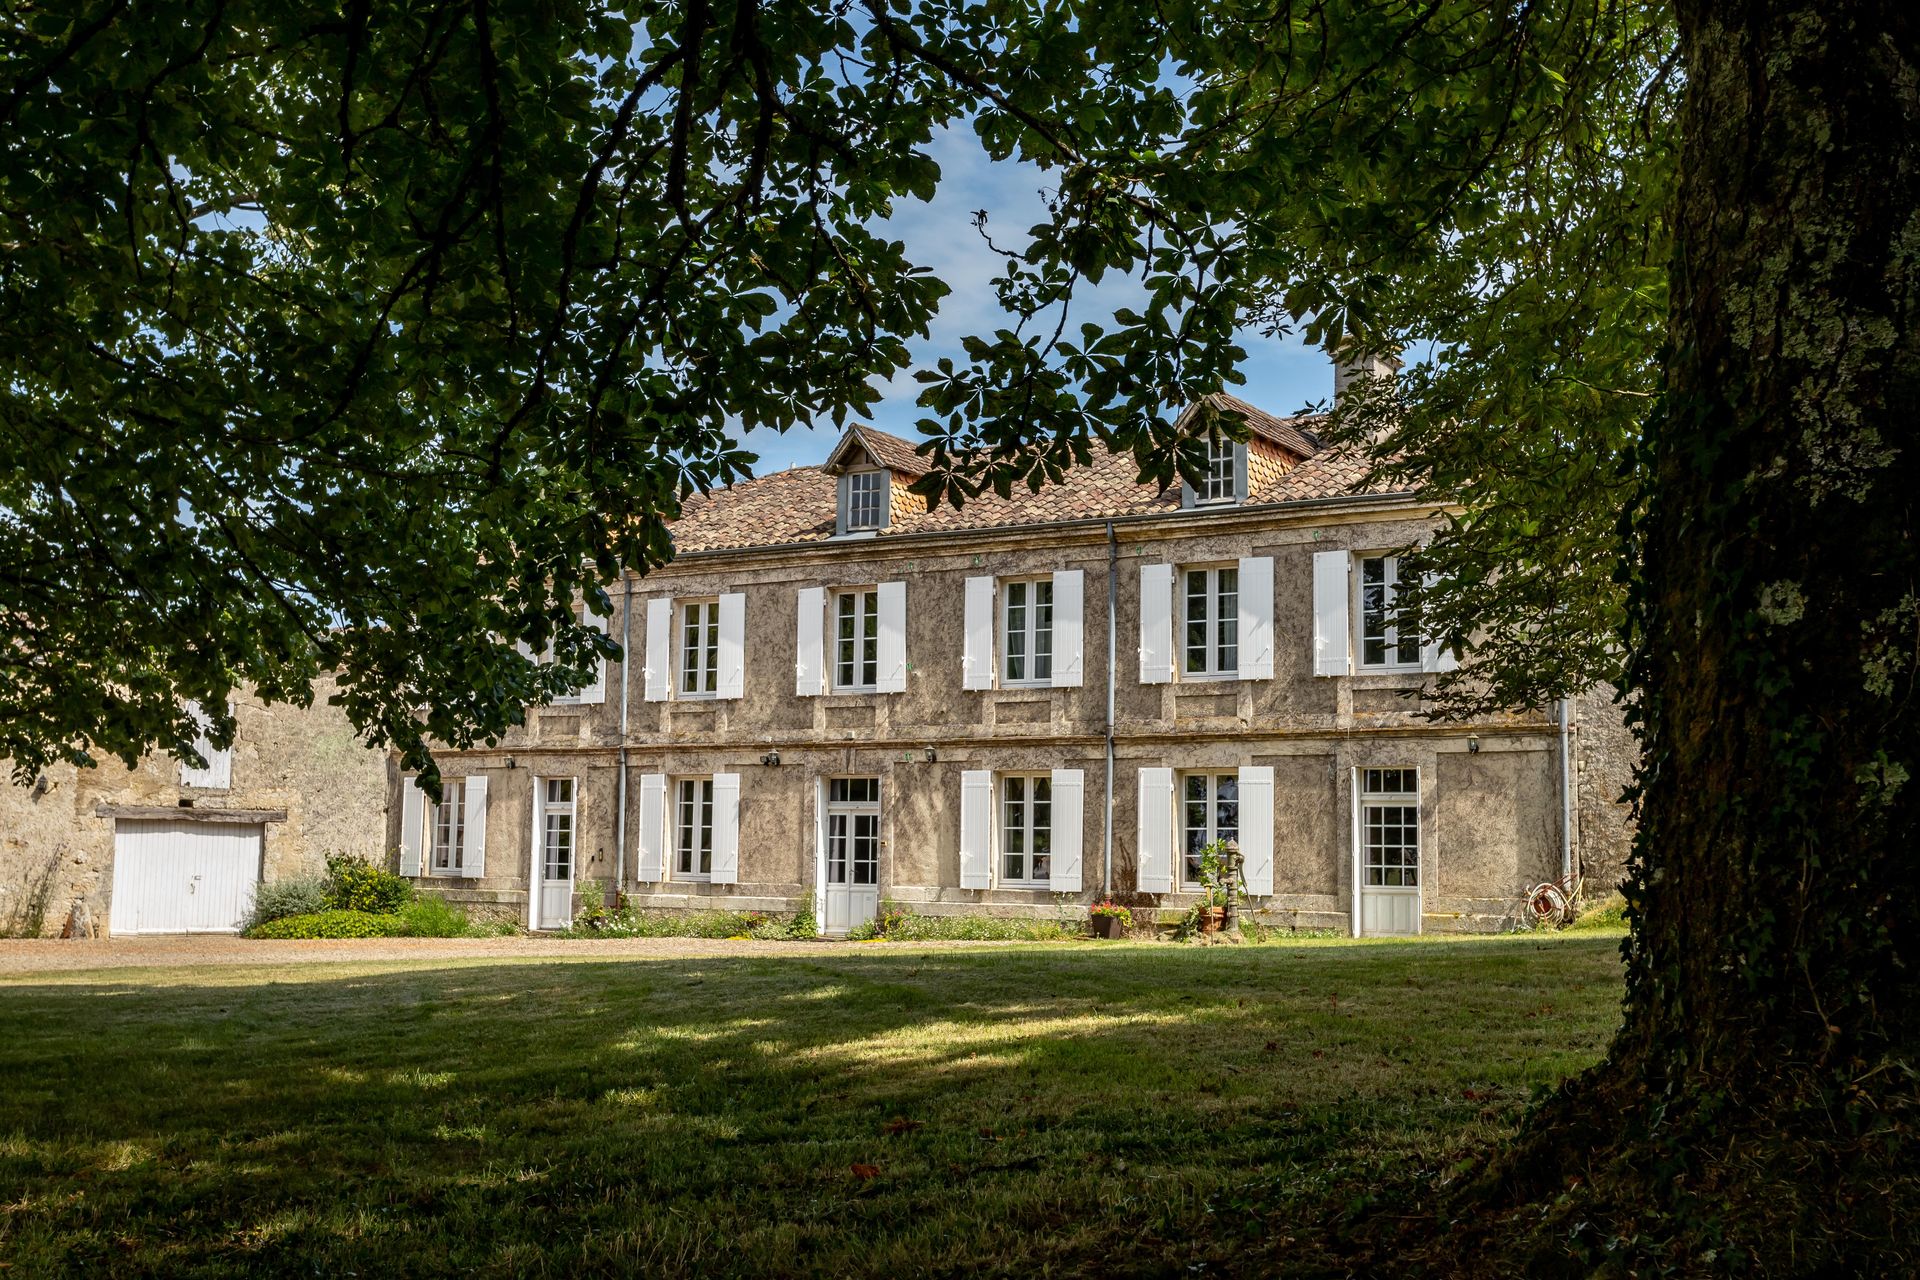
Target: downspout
<point>620,783</point>
<point>1566,799</point>
<point>1113,591</point>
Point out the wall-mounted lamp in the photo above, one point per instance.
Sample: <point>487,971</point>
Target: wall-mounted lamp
<point>1473,744</point>
<point>771,759</point>
<point>509,762</point>
<point>931,756</point>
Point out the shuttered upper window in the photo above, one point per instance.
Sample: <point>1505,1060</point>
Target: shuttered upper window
<point>1385,643</point>
<point>1211,600</point>
<point>699,648</point>
<point>856,640</point>
<point>1028,631</point>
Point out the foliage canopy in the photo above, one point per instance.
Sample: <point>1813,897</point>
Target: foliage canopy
<point>373,340</point>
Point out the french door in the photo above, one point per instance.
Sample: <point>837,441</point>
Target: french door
<point>850,854</point>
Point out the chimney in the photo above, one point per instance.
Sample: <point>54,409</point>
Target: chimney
<point>1351,365</point>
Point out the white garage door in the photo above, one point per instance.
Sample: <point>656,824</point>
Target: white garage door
<point>184,877</point>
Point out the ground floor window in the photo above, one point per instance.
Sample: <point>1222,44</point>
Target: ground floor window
<point>557,833</point>
<point>1209,811</point>
<point>1026,829</point>
<point>1390,827</point>
<point>693,827</point>
<point>450,828</point>
<point>853,831</point>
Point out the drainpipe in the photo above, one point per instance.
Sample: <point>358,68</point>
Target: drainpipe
<point>1113,590</point>
<point>620,783</point>
<point>1566,799</point>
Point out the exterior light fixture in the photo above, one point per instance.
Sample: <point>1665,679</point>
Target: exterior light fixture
<point>771,759</point>
<point>1473,744</point>
<point>931,756</point>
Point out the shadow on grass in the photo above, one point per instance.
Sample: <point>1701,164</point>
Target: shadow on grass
<point>1097,1111</point>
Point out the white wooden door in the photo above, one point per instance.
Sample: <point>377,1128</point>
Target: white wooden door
<point>851,856</point>
<point>183,877</point>
<point>553,853</point>
<point>1389,848</point>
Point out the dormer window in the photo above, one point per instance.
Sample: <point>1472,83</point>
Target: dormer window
<point>863,501</point>
<point>1223,481</point>
<point>1222,468</point>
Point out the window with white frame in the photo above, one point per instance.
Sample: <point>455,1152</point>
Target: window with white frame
<point>557,833</point>
<point>1385,644</point>
<point>1390,827</point>
<point>1209,811</point>
<point>865,500</point>
<point>693,828</point>
<point>1026,829</point>
<point>1222,455</point>
<point>1027,631</point>
<point>1211,612</point>
<point>856,640</point>
<point>449,829</point>
<point>699,648</point>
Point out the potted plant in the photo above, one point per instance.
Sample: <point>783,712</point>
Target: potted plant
<point>1109,919</point>
<point>1219,876</point>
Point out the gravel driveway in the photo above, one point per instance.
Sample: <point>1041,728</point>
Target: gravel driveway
<point>56,956</point>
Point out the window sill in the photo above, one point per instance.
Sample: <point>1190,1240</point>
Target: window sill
<point>1222,677</point>
<point>696,697</point>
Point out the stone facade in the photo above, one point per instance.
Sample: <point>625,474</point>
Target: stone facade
<point>1490,805</point>
<point>327,791</point>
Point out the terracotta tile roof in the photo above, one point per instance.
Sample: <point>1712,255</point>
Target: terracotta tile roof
<point>799,505</point>
<point>1292,434</point>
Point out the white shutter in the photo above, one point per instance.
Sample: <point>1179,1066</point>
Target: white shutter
<point>1432,656</point>
<point>658,671</point>
<point>413,823</point>
<point>596,691</point>
<point>1156,623</point>
<point>653,828</point>
<point>218,774</point>
<point>892,675</point>
<point>810,664</point>
<point>474,853</point>
<point>1154,873</point>
<point>726,828</point>
<point>1256,618</point>
<point>977,662</point>
<point>976,829</point>
<point>1069,629</point>
<point>733,645</point>
<point>1256,829</point>
<point>1332,641</point>
<point>1069,806</point>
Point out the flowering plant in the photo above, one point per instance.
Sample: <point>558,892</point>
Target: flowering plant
<point>1108,907</point>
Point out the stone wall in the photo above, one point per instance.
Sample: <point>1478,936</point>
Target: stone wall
<point>1605,754</point>
<point>56,849</point>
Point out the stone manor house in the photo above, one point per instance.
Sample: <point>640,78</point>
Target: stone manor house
<point>833,695</point>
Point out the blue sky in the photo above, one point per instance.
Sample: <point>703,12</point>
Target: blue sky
<point>1281,374</point>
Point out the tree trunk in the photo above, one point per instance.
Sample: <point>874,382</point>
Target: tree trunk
<point>1776,891</point>
<point>1758,1106</point>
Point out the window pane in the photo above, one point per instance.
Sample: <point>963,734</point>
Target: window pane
<point>1016,631</point>
<point>1043,631</point>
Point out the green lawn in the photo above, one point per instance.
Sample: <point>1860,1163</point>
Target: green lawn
<point>1028,1110</point>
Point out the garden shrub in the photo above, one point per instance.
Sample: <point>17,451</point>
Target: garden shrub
<point>636,922</point>
<point>294,896</point>
<point>428,916</point>
<point>329,924</point>
<point>354,884</point>
<point>901,925</point>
